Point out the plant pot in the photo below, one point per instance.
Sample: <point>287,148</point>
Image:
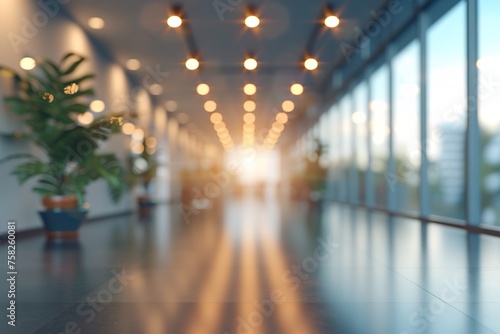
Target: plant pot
<point>145,205</point>
<point>60,202</point>
<point>62,224</point>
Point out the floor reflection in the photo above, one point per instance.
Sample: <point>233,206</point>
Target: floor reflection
<point>256,266</point>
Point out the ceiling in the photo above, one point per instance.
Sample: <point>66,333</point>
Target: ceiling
<point>136,29</point>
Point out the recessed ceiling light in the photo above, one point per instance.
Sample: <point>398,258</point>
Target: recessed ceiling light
<point>156,89</point>
<point>27,63</point>
<point>133,64</point>
<point>210,106</point>
<point>97,106</point>
<point>203,89</point>
<point>282,118</point>
<point>216,118</point>
<point>174,21</point>
<point>192,64</point>
<point>250,89</point>
<point>252,21</point>
<point>250,64</point>
<point>249,106</point>
<point>297,89</point>
<point>332,21</point>
<point>96,23</point>
<point>288,106</point>
<point>249,118</point>
<point>311,64</point>
<point>171,106</point>
<point>278,127</point>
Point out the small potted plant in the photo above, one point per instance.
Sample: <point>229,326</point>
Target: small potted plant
<point>53,109</point>
<point>142,171</point>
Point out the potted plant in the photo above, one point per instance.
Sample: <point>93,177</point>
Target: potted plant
<point>142,171</point>
<point>49,103</point>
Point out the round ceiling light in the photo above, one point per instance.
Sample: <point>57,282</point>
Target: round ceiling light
<point>210,106</point>
<point>192,64</point>
<point>311,64</point>
<point>250,89</point>
<point>250,64</point>
<point>96,23</point>
<point>203,89</point>
<point>252,21</point>
<point>249,106</point>
<point>297,89</point>
<point>174,21</point>
<point>332,21</point>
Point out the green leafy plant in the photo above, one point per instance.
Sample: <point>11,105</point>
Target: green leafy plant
<point>48,102</point>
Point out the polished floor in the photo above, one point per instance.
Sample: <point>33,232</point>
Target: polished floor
<point>255,266</point>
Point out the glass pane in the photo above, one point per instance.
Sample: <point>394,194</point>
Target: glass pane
<point>406,134</point>
<point>489,109</point>
<point>345,109</point>
<point>379,109</point>
<point>446,120</point>
<point>359,117</point>
<point>335,151</point>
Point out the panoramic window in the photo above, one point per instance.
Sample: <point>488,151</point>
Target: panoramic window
<point>359,121</point>
<point>406,132</point>
<point>489,116</point>
<point>379,110</point>
<point>447,113</point>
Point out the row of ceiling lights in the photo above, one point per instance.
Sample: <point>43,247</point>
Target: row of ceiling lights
<point>253,21</point>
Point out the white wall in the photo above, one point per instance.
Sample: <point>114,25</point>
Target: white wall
<point>53,39</point>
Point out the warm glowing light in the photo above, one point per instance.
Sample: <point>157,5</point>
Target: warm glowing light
<point>296,89</point>
<point>85,118</point>
<point>174,21</point>
<point>128,128</point>
<point>248,127</point>
<point>138,134</point>
<point>332,21</point>
<point>311,64</point>
<point>288,106</point>
<point>171,106</point>
<point>250,64</point>
<point>225,140</point>
<point>203,89</point>
<point>278,127</point>
<point>156,89</point>
<point>151,142</point>
<point>249,106</point>
<point>223,133</point>
<point>282,118</point>
<point>192,64</point>
<point>96,23</point>
<point>137,148</point>
<point>97,106</point>
<point>250,89</point>
<point>27,63</point>
<point>252,21</point>
<point>249,118</point>
<point>133,64</point>
<point>216,118</point>
<point>210,106</point>
<point>219,126</point>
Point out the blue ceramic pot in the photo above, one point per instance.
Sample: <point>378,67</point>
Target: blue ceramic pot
<point>62,222</point>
